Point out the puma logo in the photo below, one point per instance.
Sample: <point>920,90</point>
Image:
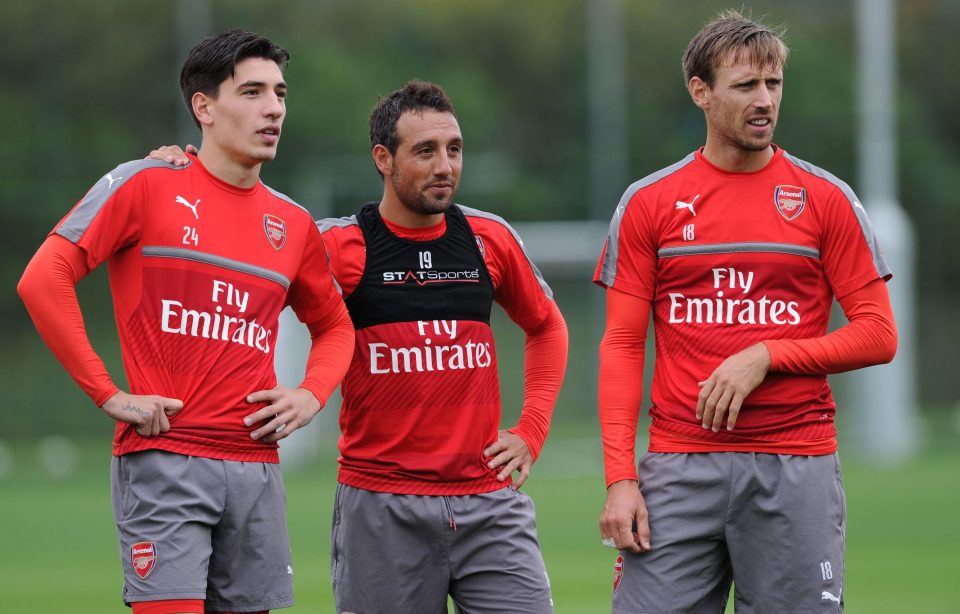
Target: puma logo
<point>689,205</point>
<point>829,596</point>
<point>193,207</point>
<point>110,178</point>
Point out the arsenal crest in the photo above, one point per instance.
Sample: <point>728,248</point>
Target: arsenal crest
<point>790,200</point>
<point>276,230</point>
<point>617,572</point>
<point>143,555</point>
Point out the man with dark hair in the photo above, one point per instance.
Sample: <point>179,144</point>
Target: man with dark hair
<point>737,251</point>
<point>202,258</point>
<point>208,65</point>
<point>425,506</point>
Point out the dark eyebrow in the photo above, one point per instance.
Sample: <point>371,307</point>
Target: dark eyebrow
<point>260,84</point>
<point>432,142</point>
<point>758,80</point>
<point>419,144</point>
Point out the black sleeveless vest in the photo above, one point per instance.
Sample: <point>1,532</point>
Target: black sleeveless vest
<point>404,280</point>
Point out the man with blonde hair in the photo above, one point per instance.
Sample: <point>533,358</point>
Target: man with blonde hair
<point>737,251</point>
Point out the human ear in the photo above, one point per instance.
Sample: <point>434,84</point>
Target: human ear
<point>383,159</point>
<point>698,92</point>
<point>200,103</point>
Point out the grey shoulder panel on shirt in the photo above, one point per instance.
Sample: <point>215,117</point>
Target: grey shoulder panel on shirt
<point>608,270</point>
<point>286,198</point>
<point>470,212</point>
<point>327,223</point>
<point>82,215</point>
<point>866,227</point>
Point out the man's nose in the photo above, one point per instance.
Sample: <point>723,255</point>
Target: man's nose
<point>275,107</point>
<point>442,164</point>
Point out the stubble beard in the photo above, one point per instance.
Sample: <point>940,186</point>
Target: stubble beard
<point>756,144</point>
<point>753,145</point>
<point>418,202</point>
<point>731,130</point>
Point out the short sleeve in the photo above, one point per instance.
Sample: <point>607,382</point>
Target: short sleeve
<point>346,250</point>
<point>518,284</point>
<point>628,260</point>
<point>109,217</point>
<point>312,290</point>
<point>851,253</point>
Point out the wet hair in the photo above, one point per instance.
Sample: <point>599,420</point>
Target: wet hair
<point>214,59</point>
<point>415,96</point>
<point>731,32</point>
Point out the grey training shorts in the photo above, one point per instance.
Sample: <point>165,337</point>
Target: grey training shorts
<point>198,528</point>
<point>403,554</point>
<point>772,524</point>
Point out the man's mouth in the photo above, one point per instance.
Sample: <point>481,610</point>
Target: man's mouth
<point>270,133</point>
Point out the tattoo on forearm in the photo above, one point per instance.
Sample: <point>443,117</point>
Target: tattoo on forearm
<point>128,406</point>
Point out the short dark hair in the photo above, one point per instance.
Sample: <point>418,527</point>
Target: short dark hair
<point>415,96</point>
<point>214,59</point>
<point>732,32</point>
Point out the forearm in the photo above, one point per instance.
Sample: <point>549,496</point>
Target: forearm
<point>620,383</point>
<point>331,349</point>
<point>49,294</point>
<point>869,338</point>
<point>545,361</point>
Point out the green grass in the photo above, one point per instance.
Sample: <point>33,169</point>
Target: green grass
<point>58,550</point>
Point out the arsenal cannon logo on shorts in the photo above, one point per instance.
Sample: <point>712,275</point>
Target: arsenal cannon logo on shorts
<point>144,557</point>
<point>617,572</point>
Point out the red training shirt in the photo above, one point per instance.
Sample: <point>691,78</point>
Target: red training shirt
<point>728,260</point>
<point>367,460</point>
<point>199,272</point>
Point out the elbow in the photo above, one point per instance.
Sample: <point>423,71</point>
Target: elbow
<point>345,322</point>
<point>889,347</point>
<point>552,329</point>
<point>887,344</point>
<point>22,290</point>
<point>26,289</point>
<point>623,337</point>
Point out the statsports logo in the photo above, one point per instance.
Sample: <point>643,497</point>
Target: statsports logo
<point>790,200</point>
<point>423,278</point>
<point>143,555</point>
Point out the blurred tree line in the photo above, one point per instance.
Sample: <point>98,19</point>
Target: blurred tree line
<point>89,84</point>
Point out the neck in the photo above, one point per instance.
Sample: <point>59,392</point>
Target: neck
<point>395,212</point>
<point>227,169</point>
<point>733,158</point>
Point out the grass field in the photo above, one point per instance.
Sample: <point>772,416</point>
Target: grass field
<point>58,551</point>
